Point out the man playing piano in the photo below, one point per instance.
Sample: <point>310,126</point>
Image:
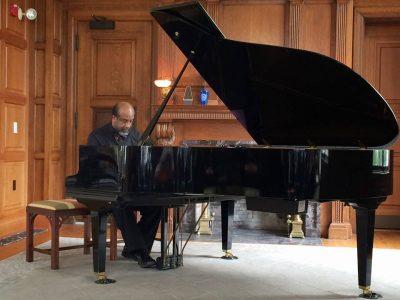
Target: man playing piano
<point>138,236</point>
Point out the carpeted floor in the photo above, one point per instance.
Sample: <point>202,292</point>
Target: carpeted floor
<point>263,271</point>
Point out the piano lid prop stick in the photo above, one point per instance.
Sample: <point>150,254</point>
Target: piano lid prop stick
<point>179,224</point>
<point>197,223</point>
<point>146,134</point>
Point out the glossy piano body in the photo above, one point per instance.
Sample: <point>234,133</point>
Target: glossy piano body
<point>257,172</point>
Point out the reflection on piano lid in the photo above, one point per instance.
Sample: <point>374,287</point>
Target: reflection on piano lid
<point>282,96</point>
<point>218,143</point>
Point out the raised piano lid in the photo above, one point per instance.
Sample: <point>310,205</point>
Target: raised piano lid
<point>282,96</point>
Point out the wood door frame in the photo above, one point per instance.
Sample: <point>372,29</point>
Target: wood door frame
<point>361,16</point>
<point>75,16</point>
<point>379,12</point>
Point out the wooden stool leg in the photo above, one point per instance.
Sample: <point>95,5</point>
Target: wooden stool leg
<point>113,239</point>
<point>30,218</point>
<point>54,222</point>
<point>86,234</point>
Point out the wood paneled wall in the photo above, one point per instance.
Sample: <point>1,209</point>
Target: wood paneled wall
<point>14,110</point>
<point>32,106</point>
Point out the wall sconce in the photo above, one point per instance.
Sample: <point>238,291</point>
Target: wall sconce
<point>16,11</point>
<point>165,85</point>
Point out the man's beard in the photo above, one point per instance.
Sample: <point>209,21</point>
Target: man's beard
<point>124,133</point>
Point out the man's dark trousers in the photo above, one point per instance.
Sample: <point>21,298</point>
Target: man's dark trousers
<point>137,235</point>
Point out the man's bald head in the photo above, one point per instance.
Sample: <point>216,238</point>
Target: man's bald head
<point>122,118</point>
<point>123,107</point>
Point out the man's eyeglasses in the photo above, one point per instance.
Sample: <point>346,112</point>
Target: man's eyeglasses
<point>125,121</point>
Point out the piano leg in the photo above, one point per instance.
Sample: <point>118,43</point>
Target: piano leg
<point>99,234</point>
<point>365,240</point>
<point>227,212</point>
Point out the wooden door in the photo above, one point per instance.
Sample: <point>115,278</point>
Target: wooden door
<point>112,66</point>
<point>381,67</point>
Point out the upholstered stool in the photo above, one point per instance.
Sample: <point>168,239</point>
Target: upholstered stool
<point>56,211</point>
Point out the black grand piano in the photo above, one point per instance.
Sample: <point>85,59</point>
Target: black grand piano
<point>322,134</point>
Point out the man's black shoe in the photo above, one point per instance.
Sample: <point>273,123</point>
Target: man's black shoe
<point>146,261</point>
<point>135,255</point>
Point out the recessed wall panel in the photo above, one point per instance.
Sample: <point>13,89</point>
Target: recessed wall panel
<point>101,116</point>
<point>55,180</point>
<point>14,125</point>
<point>57,20</point>
<point>255,23</point>
<point>57,75</point>
<point>39,132</point>
<point>39,74</point>
<point>15,73</point>
<point>114,68</point>
<point>40,23</point>
<point>38,184</point>
<point>316,28</point>
<point>390,70</point>
<point>14,191</point>
<point>56,129</point>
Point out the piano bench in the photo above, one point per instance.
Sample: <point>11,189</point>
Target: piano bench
<point>56,211</point>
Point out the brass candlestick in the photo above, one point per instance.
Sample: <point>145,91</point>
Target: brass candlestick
<point>206,221</point>
<point>297,224</point>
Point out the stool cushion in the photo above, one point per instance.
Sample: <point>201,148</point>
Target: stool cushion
<point>64,204</point>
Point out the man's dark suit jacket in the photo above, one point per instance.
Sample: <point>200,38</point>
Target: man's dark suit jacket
<point>108,136</point>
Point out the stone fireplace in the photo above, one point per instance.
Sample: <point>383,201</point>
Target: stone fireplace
<point>246,219</point>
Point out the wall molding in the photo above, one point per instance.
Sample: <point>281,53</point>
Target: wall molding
<point>340,227</point>
<point>295,9</point>
<point>183,113</point>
